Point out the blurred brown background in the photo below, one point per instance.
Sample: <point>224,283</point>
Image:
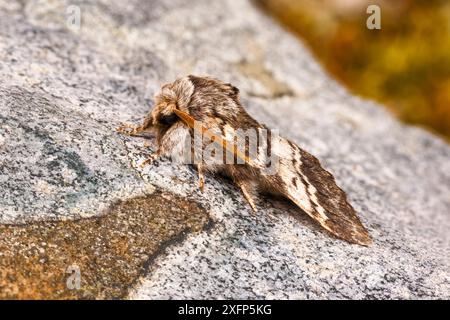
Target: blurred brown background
<point>405,65</point>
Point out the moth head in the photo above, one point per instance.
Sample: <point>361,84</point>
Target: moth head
<point>172,96</point>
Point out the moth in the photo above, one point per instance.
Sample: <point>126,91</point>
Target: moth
<point>194,105</point>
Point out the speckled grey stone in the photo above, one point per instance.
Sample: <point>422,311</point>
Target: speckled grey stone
<point>63,91</point>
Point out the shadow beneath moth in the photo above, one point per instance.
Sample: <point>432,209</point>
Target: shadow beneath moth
<point>200,120</point>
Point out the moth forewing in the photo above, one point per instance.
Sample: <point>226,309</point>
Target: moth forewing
<point>198,127</point>
<point>314,190</point>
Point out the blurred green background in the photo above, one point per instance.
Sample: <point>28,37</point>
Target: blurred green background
<point>405,65</point>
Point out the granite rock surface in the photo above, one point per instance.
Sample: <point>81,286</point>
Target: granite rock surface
<point>64,89</point>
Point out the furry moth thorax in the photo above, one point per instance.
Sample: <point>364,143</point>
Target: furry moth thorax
<point>214,106</point>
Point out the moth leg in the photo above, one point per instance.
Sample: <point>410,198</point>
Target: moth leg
<point>201,177</point>
<point>133,130</point>
<point>150,159</point>
<point>129,129</point>
<point>246,189</point>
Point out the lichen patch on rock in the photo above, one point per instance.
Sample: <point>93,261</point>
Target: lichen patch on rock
<point>39,260</point>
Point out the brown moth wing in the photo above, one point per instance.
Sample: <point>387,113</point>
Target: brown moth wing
<point>299,177</point>
<point>306,183</point>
